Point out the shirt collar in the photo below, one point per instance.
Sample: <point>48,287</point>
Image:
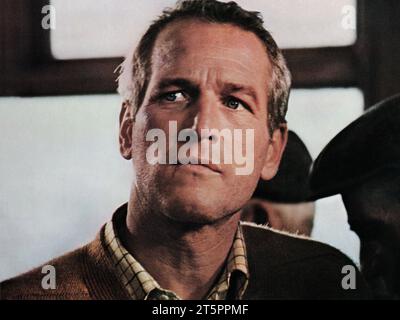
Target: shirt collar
<point>140,285</point>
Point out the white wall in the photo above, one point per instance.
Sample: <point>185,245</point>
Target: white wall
<point>61,175</point>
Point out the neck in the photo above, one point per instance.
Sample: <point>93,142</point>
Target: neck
<point>184,259</point>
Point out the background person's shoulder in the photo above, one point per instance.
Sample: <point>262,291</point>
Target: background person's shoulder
<point>60,278</point>
<point>298,267</point>
<point>285,246</point>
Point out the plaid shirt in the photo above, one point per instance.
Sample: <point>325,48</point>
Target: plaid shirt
<point>140,285</point>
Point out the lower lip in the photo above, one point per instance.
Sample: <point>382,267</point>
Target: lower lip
<point>198,168</point>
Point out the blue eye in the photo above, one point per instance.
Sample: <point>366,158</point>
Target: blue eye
<point>235,104</point>
<point>174,96</point>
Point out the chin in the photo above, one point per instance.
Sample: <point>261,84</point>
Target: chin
<point>195,209</point>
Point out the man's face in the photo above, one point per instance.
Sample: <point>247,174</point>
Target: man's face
<point>204,76</point>
<point>379,233</point>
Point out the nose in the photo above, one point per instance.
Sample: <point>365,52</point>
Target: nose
<point>206,117</point>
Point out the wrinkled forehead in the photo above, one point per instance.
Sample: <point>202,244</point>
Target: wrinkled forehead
<point>211,44</point>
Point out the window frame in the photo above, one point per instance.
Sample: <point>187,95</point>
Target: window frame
<point>29,69</point>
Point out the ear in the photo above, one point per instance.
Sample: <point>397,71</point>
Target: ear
<point>275,150</point>
<point>125,130</point>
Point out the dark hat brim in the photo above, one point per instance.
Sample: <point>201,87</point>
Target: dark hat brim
<point>364,148</point>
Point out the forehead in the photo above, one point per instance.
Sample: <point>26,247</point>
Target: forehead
<point>194,46</point>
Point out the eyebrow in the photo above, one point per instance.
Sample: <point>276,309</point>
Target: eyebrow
<point>189,85</point>
<point>247,90</point>
<point>177,82</point>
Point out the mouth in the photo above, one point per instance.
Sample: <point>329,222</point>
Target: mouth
<point>201,167</point>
